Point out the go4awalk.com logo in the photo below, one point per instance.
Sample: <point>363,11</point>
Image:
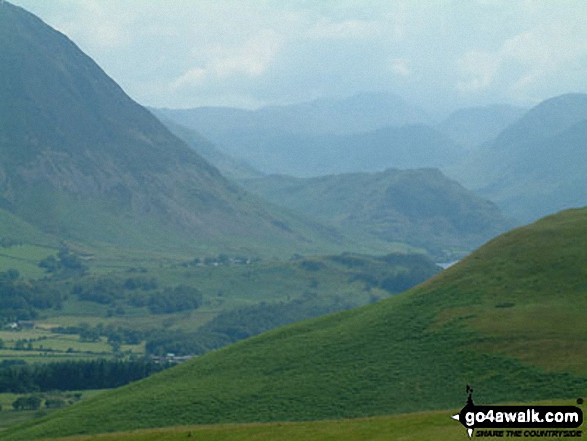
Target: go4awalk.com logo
<point>520,421</point>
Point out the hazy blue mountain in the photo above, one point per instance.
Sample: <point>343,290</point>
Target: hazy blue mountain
<point>360,113</point>
<point>230,167</point>
<point>473,126</point>
<point>408,146</point>
<point>80,159</point>
<point>421,207</point>
<point>315,138</point>
<point>535,166</point>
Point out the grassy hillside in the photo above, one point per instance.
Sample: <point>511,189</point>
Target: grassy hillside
<point>509,320</point>
<point>424,426</point>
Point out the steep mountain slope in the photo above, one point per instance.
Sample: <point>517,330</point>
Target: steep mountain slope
<point>80,159</point>
<point>421,207</point>
<point>507,320</point>
<point>535,166</point>
<point>471,127</point>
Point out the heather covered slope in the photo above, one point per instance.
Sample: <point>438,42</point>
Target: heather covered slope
<point>81,160</point>
<point>508,320</point>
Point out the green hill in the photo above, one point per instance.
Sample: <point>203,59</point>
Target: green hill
<point>508,319</point>
<point>79,159</point>
<point>421,207</point>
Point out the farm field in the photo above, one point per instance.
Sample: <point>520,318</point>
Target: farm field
<point>44,346</point>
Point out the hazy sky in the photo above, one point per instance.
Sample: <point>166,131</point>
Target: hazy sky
<point>249,53</point>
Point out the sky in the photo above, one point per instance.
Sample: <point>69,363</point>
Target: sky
<point>438,54</point>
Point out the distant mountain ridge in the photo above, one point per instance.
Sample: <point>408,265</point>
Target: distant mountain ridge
<point>366,132</point>
<point>359,113</point>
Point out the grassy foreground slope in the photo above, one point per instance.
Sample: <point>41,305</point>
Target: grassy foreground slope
<point>509,320</point>
<point>422,426</point>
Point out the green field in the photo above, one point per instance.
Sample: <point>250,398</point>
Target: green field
<point>47,346</point>
<point>319,284</point>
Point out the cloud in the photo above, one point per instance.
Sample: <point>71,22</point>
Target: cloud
<point>401,67</point>
<point>96,24</point>
<point>344,30</point>
<point>480,68</point>
<point>250,60</point>
<point>522,61</point>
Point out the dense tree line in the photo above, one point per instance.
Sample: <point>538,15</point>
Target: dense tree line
<point>73,375</point>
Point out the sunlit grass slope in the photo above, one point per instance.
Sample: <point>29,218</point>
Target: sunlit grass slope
<point>508,320</point>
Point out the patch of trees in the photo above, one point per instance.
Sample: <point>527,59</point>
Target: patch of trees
<point>393,273</point>
<point>27,403</point>
<point>107,290</point>
<point>67,263</point>
<point>20,299</point>
<point>53,400</point>
<point>74,375</point>
<point>179,298</point>
<point>118,334</point>
<point>138,292</point>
